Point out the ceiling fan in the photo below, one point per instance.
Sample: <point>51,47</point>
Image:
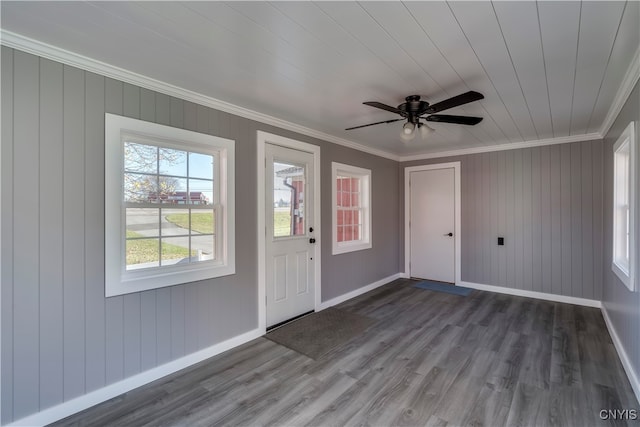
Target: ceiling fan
<point>414,110</point>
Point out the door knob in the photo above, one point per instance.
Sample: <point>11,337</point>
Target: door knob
<point>449,234</point>
<point>312,240</point>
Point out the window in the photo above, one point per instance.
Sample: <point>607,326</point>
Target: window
<point>169,206</point>
<point>351,201</point>
<point>624,183</point>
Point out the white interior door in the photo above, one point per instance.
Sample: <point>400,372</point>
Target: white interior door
<point>432,224</point>
<point>290,249</point>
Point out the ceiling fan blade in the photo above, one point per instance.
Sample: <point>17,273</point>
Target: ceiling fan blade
<point>461,99</point>
<point>376,123</point>
<point>461,120</point>
<point>383,107</point>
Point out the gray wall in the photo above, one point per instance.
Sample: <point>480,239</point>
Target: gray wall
<point>622,305</point>
<point>547,203</point>
<point>60,337</point>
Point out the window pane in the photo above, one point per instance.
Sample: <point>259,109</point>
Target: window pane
<point>202,248</point>
<point>346,184</point>
<point>340,233</point>
<point>140,158</point>
<point>172,162</point>
<point>355,185</point>
<point>142,253</point>
<point>175,250</point>
<point>348,217</point>
<point>200,166</point>
<point>348,233</point>
<point>281,221</point>
<point>355,200</point>
<point>142,222</point>
<point>288,200</point>
<point>202,221</point>
<point>172,190</point>
<point>174,222</point>
<point>627,238</point>
<point>200,192</point>
<point>140,188</point>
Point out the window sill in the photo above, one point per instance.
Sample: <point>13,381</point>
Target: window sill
<point>147,280</point>
<point>624,276</point>
<point>349,247</point>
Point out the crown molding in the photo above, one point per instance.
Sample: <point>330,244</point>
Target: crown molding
<point>503,147</point>
<point>44,50</point>
<point>624,91</point>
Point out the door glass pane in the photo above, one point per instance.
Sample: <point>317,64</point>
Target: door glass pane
<point>288,200</point>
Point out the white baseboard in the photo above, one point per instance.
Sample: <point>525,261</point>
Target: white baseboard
<point>624,358</point>
<point>359,291</point>
<point>533,294</point>
<point>90,399</point>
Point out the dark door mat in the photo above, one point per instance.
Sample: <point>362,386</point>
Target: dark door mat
<point>443,287</point>
<point>318,333</point>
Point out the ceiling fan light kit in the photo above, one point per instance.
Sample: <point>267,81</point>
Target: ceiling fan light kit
<point>426,130</point>
<point>408,128</point>
<point>409,131</point>
<point>414,109</point>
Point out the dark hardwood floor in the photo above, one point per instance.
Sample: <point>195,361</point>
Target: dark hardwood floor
<point>431,359</point>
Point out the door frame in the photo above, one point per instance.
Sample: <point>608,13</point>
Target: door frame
<point>264,138</point>
<point>458,221</point>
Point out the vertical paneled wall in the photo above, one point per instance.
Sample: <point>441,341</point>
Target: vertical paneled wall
<point>547,204</point>
<point>61,338</point>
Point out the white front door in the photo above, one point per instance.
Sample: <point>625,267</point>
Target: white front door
<point>290,250</point>
<point>432,224</point>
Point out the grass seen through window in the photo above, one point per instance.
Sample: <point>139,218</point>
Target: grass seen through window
<point>201,222</point>
<point>146,250</point>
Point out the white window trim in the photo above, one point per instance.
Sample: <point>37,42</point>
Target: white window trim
<point>626,275</point>
<point>117,280</point>
<point>365,176</point>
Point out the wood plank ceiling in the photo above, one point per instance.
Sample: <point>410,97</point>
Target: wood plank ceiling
<point>546,69</point>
